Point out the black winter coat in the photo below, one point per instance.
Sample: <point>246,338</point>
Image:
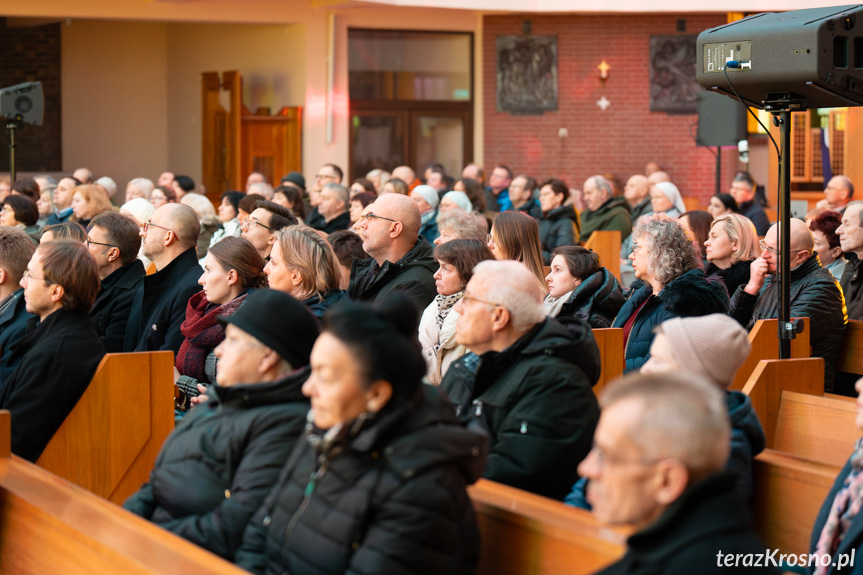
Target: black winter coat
<point>597,300</point>
<point>559,227</point>
<point>535,400</point>
<point>815,294</point>
<point>689,295</point>
<point>413,276</point>
<point>394,500</point>
<point>13,326</point>
<point>216,468</point>
<point>734,276</point>
<point>710,517</point>
<point>852,286</point>
<point>110,312</point>
<point>159,307</point>
<point>57,359</point>
<point>319,306</point>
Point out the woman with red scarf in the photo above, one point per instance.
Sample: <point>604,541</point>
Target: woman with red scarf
<point>231,268</point>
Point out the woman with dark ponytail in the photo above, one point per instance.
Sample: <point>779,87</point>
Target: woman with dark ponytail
<point>379,484</point>
<point>231,268</point>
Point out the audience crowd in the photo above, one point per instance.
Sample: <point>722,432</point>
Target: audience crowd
<point>349,359</point>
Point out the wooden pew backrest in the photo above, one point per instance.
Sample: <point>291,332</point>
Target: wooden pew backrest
<point>787,494</point>
<point>764,339</point>
<point>610,343</point>
<point>48,525</point>
<point>607,245</point>
<point>774,376</point>
<point>110,440</point>
<point>819,428</point>
<point>527,533</point>
<point>851,357</point>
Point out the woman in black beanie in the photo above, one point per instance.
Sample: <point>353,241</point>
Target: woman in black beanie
<point>379,483</point>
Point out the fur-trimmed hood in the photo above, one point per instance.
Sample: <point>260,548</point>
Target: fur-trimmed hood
<point>692,295</point>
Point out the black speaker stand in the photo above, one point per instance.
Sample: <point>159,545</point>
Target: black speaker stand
<point>11,126</point>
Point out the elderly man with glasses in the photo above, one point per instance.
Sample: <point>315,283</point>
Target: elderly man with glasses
<point>158,309</point>
<point>527,380</point>
<point>400,259</point>
<point>814,294</point>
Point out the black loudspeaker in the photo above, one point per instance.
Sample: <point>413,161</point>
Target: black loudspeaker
<point>721,120</point>
<point>814,54</point>
<point>23,103</point>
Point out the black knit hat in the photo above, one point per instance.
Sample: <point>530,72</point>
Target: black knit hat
<point>280,322</point>
<point>295,178</point>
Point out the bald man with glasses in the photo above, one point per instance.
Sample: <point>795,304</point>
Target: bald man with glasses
<point>815,294</point>
<point>400,259</point>
<point>169,239</point>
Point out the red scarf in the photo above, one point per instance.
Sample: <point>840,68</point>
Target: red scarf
<point>203,333</point>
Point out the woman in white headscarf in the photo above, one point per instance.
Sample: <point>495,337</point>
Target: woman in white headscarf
<point>426,199</point>
<point>453,200</point>
<point>665,198</point>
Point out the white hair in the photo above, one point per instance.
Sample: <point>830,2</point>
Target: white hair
<point>144,184</point>
<point>512,285</point>
<point>201,204</point>
<point>261,188</point>
<point>109,185</point>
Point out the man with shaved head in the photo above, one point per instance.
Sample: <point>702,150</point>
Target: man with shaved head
<point>527,379</point>
<point>400,260</point>
<point>815,294</point>
<point>637,194</point>
<point>170,237</point>
<point>407,175</point>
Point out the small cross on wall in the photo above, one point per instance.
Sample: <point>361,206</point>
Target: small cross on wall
<point>603,103</point>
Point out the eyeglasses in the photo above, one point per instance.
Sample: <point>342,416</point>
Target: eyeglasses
<point>468,297</point>
<point>602,459</point>
<point>370,216</point>
<point>247,222</point>
<point>148,224</point>
<point>489,239</point>
<point>765,247</point>
<point>88,242</point>
<point>325,176</point>
<point>30,276</point>
<point>635,247</point>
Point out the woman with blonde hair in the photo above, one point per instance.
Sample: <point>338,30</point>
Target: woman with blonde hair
<point>89,201</point>
<point>515,236</point>
<point>304,265</point>
<point>731,246</point>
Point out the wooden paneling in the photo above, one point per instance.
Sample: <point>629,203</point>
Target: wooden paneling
<point>610,343</point>
<point>764,339</point>
<point>607,245</point>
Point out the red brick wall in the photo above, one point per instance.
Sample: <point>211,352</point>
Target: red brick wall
<point>619,140</point>
<point>28,55</point>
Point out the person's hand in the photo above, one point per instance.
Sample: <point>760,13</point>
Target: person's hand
<point>202,398</point>
<point>823,205</point>
<point>757,273</point>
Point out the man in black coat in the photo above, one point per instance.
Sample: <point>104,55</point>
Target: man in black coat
<point>335,201</point>
<point>814,294</point>
<point>16,249</point>
<point>527,380</point>
<point>850,233</point>
<point>656,464</point>
<point>159,306</point>
<point>60,352</point>
<point>400,260</point>
<point>114,241</point>
<point>215,469</point>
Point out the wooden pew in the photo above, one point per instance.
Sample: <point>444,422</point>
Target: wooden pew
<point>851,356</point>
<point>607,245</point>
<point>764,339</point>
<point>110,440</point>
<point>49,526</point>
<point>787,494</point>
<point>527,533</point>
<point>610,343</point>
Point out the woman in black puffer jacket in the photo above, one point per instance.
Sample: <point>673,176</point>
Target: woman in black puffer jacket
<point>378,485</point>
<point>664,258</point>
<point>579,287</point>
<point>559,225</point>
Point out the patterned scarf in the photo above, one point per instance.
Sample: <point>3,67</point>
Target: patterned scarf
<point>203,333</point>
<point>846,505</point>
<point>444,305</point>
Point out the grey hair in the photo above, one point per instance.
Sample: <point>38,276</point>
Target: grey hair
<point>108,184</point>
<point>682,417</point>
<point>514,287</point>
<point>464,225</point>
<point>201,204</point>
<point>343,194</point>
<point>603,184</point>
<point>856,203</point>
<point>379,173</point>
<point>144,184</point>
<point>671,252</point>
<point>262,188</point>
<point>49,179</point>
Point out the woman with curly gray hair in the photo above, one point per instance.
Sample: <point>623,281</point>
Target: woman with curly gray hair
<point>672,284</point>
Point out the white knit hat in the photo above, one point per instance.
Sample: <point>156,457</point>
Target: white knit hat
<point>714,346</point>
<point>429,194</point>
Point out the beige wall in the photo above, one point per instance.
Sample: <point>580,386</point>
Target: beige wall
<point>115,98</point>
<point>270,59</point>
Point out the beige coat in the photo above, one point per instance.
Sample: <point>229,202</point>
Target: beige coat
<point>430,335</point>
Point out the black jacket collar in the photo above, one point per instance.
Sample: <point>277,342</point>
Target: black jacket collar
<point>285,390</point>
<point>173,271</point>
<point>125,277</point>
